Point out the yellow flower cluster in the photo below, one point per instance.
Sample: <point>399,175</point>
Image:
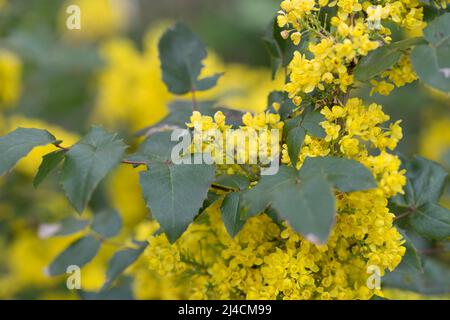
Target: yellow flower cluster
<point>254,141</point>
<point>400,74</point>
<point>356,30</point>
<point>269,261</point>
<point>10,74</point>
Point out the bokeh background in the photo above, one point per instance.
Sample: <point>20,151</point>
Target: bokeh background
<point>108,73</point>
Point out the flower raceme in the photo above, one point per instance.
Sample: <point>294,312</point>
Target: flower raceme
<point>338,49</point>
<point>257,142</point>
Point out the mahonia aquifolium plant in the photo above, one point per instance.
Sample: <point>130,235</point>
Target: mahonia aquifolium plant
<point>229,227</point>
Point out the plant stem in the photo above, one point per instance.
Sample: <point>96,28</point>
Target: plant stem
<point>404,214</point>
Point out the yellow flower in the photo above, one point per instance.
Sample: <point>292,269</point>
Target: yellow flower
<point>10,74</point>
<point>382,87</point>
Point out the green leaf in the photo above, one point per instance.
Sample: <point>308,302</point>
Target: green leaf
<point>231,214</point>
<point>49,163</point>
<point>107,223</point>
<point>407,43</point>
<point>307,204</point>
<point>411,257</point>
<point>294,140</point>
<point>234,181</point>
<point>435,278</point>
<point>175,193</point>
<point>181,53</point>
<point>286,104</point>
<point>425,183</point>
<point>383,58</point>
<point>438,30</point>
<point>157,147</point>
<point>19,143</point>
<point>121,260</point>
<point>431,62</point>
<point>88,162</point>
<point>311,122</point>
<point>65,227</point>
<point>376,62</point>
<point>208,82</point>
<point>344,174</point>
<point>78,253</point>
<point>211,198</point>
<point>430,66</point>
<point>431,221</point>
<point>258,198</point>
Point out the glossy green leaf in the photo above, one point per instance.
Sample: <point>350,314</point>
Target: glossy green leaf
<point>121,260</point>
<point>376,62</point>
<point>107,223</point>
<point>311,122</point>
<point>88,162</point>
<point>431,61</point>
<point>49,163</point>
<point>233,181</point>
<point>17,144</point>
<point>383,58</point>
<point>294,140</point>
<point>231,215</point>
<point>181,54</point>
<point>78,253</point>
<point>425,183</point>
<point>411,257</point>
<point>175,193</point>
<point>431,67</point>
<point>345,174</point>
<point>286,104</point>
<point>307,204</point>
<point>431,221</point>
<point>435,278</point>
<point>208,82</point>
